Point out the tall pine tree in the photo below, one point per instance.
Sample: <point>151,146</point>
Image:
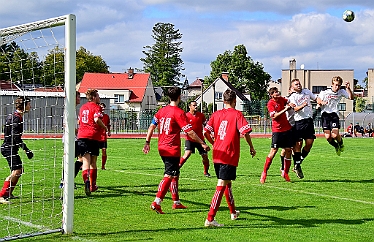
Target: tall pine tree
<point>162,59</point>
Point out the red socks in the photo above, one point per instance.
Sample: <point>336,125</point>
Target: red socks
<point>163,187</point>
<point>216,202</point>
<point>182,161</point>
<point>230,198</point>
<point>5,191</point>
<point>287,165</point>
<point>93,176</point>
<point>174,189</point>
<point>267,164</point>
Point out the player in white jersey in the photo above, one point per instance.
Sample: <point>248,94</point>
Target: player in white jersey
<point>329,100</point>
<point>304,126</point>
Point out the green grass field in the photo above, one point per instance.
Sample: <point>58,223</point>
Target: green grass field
<point>334,202</point>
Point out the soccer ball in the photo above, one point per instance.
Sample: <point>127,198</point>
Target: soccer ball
<point>348,15</point>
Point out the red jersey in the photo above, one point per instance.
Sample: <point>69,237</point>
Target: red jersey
<point>106,121</point>
<point>170,121</point>
<point>227,125</point>
<point>197,121</point>
<point>88,129</point>
<point>280,124</point>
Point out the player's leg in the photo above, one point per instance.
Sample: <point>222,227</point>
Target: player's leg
<point>230,201</point>
<point>270,156</point>
<point>206,164</point>
<point>188,150</point>
<point>86,161</point>
<point>103,155</point>
<point>287,163</point>
<point>282,159</point>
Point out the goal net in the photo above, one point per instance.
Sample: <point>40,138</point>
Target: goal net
<point>37,61</point>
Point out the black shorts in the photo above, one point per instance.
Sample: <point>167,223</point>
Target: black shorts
<point>330,121</point>
<point>283,139</point>
<point>88,146</point>
<point>103,144</point>
<point>76,149</point>
<point>304,129</point>
<point>11,155</point>
<point>190,145</point>
<point>171,165</point>
<point>225,172</point>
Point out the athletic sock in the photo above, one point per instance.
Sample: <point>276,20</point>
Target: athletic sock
<point>216,202</point>
<point>85,175</point>
<point>93,176</point>
<point>333,143</point>
<point>282,162</point>
<point>5,190</point>
<point>267,164</point>
<point>304,154</point>
<point>297,158</point>
<point>341,142</point>
<point>174,188</point>
<point>77,167</point>
<point>230,198</point>
<point>287,165</point>
<point>163,187</point>
<point>182,161</point>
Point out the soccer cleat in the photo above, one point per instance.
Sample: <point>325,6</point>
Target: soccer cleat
<point>156,208</point>
<point>103,168</point>
<point>298,171</point>
<point>234,216</point>
<point>178,206</point>
<point>4,201</point>
<point>338,151</point>
<point>87,187</point>
<point>286,177</point>
<point>341,148</point>
<point>212,224</point>
<point>263,177</point>
<point>94,188</point>
<point>207,175</point>
<point>61,184</point>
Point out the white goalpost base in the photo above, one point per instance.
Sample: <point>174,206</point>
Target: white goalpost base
<point>40,206</point>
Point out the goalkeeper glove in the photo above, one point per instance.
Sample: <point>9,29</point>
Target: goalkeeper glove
<point>29,154</point>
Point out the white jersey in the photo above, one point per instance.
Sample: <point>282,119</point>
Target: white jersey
<point>332,99</point>
<point>298,99</point>
<point>291,116</point>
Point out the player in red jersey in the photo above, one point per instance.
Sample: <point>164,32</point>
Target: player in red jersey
<point>170,120</point>
<point>13,130</point>
<point>226,125</point>
<point>197,120</point>
<point>89,132</point>
<point>103,145</point>
<point>282,136</point>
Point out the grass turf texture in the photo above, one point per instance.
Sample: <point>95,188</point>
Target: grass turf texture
<point>334,202</point>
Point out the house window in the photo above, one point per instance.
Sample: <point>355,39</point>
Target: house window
<point>318,89</point>
<point>342,107</point>
<point>119,98</point>
<point>218,96</point>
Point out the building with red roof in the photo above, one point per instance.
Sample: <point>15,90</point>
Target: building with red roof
<point>128,91</point>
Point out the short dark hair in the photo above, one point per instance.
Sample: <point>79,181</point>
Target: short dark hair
<point>103,104</point>
<point>229,95</point>
<point>21,102</point>
<point>174,93</point>
<point>272,90</point>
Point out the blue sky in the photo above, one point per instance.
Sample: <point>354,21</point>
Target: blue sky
<point>273,31</point>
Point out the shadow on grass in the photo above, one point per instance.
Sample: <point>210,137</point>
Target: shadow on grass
<point>341,180</point>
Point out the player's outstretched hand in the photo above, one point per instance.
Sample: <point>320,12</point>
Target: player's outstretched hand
<point>29,154</point>
<point>253,152</point>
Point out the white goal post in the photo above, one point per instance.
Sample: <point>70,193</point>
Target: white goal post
<point>19,34</point>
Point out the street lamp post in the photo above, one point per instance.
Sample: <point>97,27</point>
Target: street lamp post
<point>202,94</point>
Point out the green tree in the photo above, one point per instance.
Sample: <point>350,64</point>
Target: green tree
<point>245,74</point>
<point>85,62</point>
<point>18,65</point>
<point>162,59</point>
<point>360,104</point>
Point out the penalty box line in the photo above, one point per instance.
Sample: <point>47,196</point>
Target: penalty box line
<point>264,185</point>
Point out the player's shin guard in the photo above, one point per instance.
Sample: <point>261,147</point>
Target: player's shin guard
<point>85,175</point>
<point>216,202</point>
<point>163,187</point>
<point>304,154</point>
<point>93,176</point>
<point>267,164</point>
<point>174,188</point>
<point>230,198</point>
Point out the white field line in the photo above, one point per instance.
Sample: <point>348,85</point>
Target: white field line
<point>28,224</point>
<point>268,186</point>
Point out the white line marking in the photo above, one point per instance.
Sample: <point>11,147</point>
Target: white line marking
<point>28,224</point>
<point>269,186</point>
